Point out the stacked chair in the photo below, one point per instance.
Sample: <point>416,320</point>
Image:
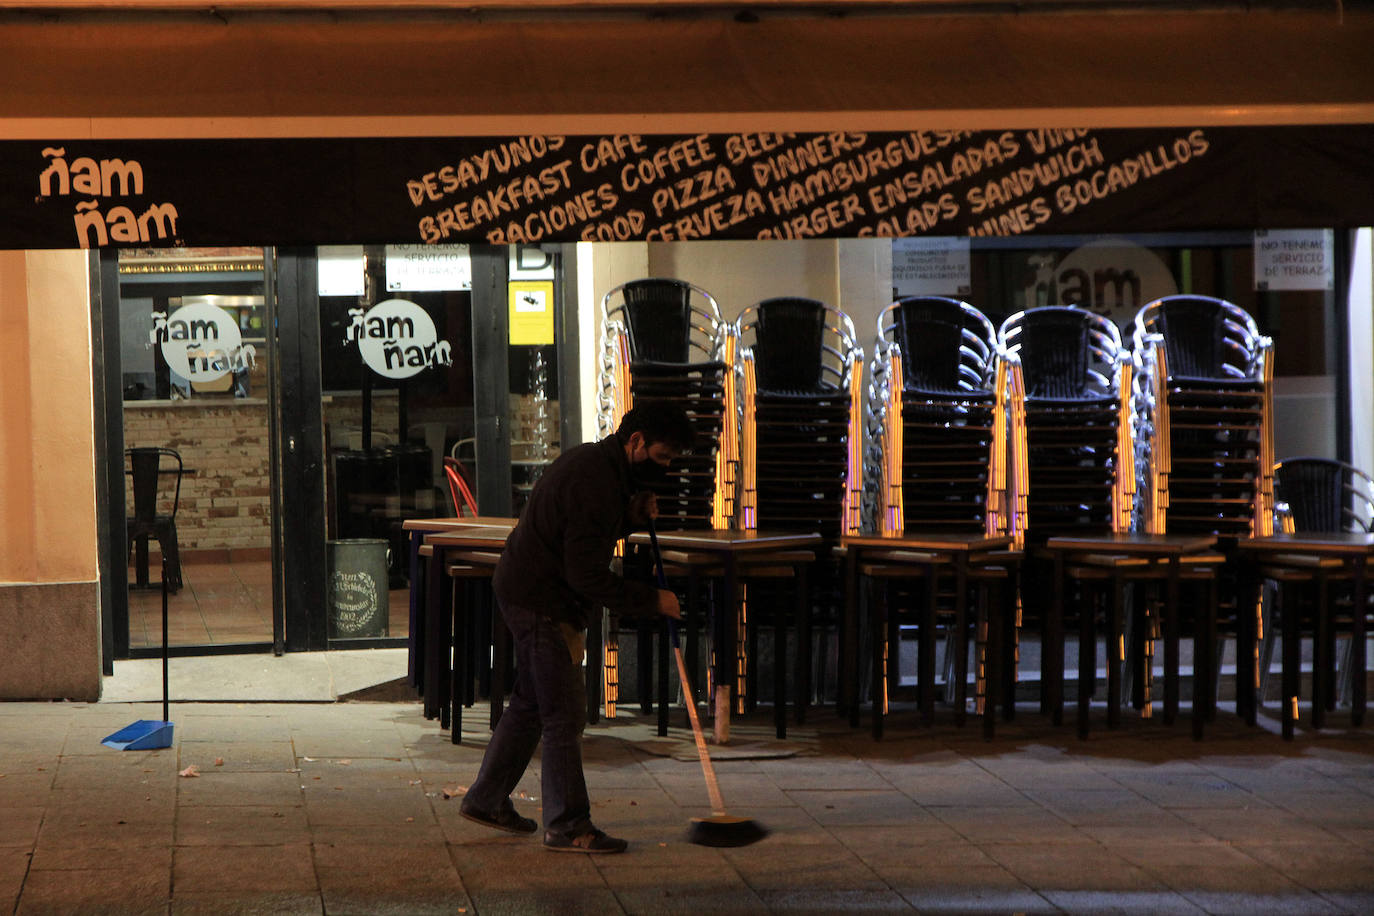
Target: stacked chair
<point>936,463</point>
<point>801,439</point>
<point>1204,403</point>
<point>937,419</point>
<point>801,462</point>
<point>1072,474</point>
<point>1319,496</point>
<point>1070,421</point>
<point>664,339</point>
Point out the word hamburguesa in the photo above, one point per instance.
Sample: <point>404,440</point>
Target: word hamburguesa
<point>85,176</point>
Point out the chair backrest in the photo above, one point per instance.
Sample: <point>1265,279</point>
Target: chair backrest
<point>458,488</point>
<point>1325,496</point>
<point>1065,352</point>
<point>1203,337</point>
<point>799,346</point>
<point>145,467</point>
<point>947,345</point>
<point>665,320</point>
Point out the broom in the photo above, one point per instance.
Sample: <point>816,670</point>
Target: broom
<point>720,829</point>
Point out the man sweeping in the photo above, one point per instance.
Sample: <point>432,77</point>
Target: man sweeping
<point>553,574</point>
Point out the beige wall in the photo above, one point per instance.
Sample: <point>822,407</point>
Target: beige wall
<point>49,595</point>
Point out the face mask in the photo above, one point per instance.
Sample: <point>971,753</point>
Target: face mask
<point>648,472</point>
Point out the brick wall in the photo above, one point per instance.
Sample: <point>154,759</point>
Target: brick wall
<point>225,503</point>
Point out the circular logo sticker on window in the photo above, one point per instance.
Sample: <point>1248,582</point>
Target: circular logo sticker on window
<point>201,342</point>
<point>396,338</point>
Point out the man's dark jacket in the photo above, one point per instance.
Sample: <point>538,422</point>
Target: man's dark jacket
<point>557,561</point>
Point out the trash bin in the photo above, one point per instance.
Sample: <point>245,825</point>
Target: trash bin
<point>359,600</point>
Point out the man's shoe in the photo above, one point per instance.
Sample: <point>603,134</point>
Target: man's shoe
<point>508,820</point>
<point>593,841</point>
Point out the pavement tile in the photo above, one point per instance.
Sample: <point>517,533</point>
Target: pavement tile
<point>863,807</point>
<point>338,805</point>
<point>813,773</point>
<point>79,858</point>
<point>1256,825</point>
<point>217,788</point>
<point>116,823</point>
<point>1319,867</point>
<point>242,825</point>
<point>833,900</point>
<point>768,867</point>
<point>371,878</point>
<point>241,869</point>
<point>741,790</point>
<point>14,865</point>
<point>266,903</point>
<point>1090,867</point>
<point>1197,788</point>
<point>574,901</point>
<point>230,726</point>
<point>957,787</point>
<point>1010,825</point>
<point>520,866</point>
<point>666,888</point>
<point>19,826</point>
<point>1098,807</point>
<point>239,756</point>
<point>402,833</point>
<point>1123,902</point>
<point>1248,902</point>
<point>134,888</point>
<point>966,889</point>
<point>914,837</point>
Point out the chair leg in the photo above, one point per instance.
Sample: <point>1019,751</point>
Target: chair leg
<point>803,672</point>
<point>1087,660</point>
<point>1321,652</point>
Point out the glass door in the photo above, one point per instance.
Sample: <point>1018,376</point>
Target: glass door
<point>195,363</point>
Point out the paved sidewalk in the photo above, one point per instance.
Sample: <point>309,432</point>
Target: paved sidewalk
<point>340,808</point>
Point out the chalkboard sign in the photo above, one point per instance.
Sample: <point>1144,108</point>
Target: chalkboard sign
<point>623,187</point>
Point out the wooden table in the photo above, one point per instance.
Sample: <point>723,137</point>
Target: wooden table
<point>728,548</point>
<point>1352,551</point>
<point>928,550</point>
<point>1166,548</point>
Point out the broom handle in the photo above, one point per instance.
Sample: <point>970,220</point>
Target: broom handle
<point>707,770</point>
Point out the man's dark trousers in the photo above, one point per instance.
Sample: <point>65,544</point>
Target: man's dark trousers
<point>548,702</point>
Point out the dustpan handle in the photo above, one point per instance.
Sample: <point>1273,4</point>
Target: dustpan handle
<point>165,716</point>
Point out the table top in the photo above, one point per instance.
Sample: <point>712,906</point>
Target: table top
<point>454,524</point>
<point>1134,543</point>
<point>1333,544</point>
<point>938,541</point>
<point>730,541</point>
<point>472,536</point>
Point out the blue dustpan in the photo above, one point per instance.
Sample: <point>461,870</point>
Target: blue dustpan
<point>148,734</point>
<point>143,735</point>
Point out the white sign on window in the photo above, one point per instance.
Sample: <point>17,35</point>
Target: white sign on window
<point>397,338</point>
<point>341,270</point>
<point>936,266</point>
<point>201,342</point>
<point>424,268</point>
<point>1294,259</point>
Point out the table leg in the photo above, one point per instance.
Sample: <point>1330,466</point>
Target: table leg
<point>992,658</point>
<point>728,654</point>
<point>925,660</point>
<point>877,617</point>
<point>460,677</point>
<point>1116,649</point>
<point>500,658</point>
<point>803,644</point>
<point>1087,661</point>
<point>1172,611</point>
<point>415,661</point>
<point>780,672</point>
<point>960,639</point>
<point>846,670</point>
<point>1052,652</point>
<point>1321,652</point>
<point>1291,660</point>
<point>435,644</point>
<point>1248,627</point>
<point>1358,687</point>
